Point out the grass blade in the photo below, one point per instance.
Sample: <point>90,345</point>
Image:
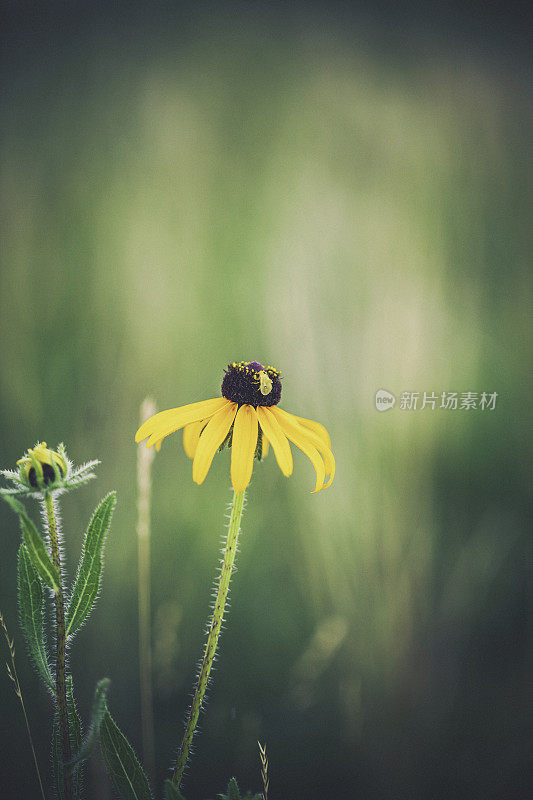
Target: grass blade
<point>13,676</point>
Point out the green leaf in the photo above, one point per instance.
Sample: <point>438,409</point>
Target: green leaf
<point>31,606</point>
<point>172,792</point>
<point>39,556</point>
<point>123,767</point>
<point>98,710</point>
<point>87,581</point>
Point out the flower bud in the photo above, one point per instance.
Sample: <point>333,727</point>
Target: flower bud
<point>41,467</point>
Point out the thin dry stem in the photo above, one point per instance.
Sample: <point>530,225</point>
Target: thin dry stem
<point>144,487</point>
<point>12,672</point>
<point>264,769</point>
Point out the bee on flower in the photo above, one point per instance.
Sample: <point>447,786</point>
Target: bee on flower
<point>247,419</point>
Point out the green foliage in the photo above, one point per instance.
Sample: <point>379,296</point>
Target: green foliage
<point>31,607</point>
<point>84,750</point>
<point>87,582</point>
<point>233,793</point>
<point>123,767</point>
<point>35,567</point>
<point>36,548</point>
<point>172,792</point>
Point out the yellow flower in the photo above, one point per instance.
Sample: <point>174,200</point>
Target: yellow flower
<point>247,419</point>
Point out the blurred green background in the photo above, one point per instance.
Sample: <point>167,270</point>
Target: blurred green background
<point>348,197</point>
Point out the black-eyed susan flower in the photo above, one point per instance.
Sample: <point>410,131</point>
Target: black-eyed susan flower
<point>247,419</point>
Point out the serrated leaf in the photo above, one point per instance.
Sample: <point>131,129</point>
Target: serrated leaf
<point>98,710</point>
<point>75,743</point>
<point>123,767</point>
<point>172,792</point>
<point>31,606</point>
<point>87,582</point>
<point>36,548</point>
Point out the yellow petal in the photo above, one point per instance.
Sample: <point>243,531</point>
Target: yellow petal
<point>302,439</point>
<point>316,438</point>
<point>265,447</point>
<point>158,445</point>
<point>160,425</point>
<point>316,427</point>
<point>164,418</point>
<point>324,451</point>
<point>191,434</point>
<point>212,437</point>
<point>329,461</point>
<point>273,434</point>
<point>243,447</point>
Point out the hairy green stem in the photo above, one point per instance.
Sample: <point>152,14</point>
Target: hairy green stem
<point>61,688</point>
<point>212,639</point>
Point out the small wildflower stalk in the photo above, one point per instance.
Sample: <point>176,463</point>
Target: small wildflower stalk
<point>12,672</point>
<point>264,769</point>
<point>61,686</point>
<point>212,639</point>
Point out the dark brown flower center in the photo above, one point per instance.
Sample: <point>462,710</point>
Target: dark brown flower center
<point>249,383</point>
